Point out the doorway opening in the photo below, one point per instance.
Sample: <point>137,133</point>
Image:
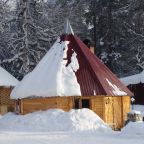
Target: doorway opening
<point>85,103</point>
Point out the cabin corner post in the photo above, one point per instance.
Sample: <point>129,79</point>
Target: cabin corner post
<point>0,98</point>
<point>125,108</point>
<point>19,106</point>
<point>22,106</point>
<point>104,110</point>
<point>122,111</point>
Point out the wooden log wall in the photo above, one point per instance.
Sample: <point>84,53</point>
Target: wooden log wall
<point>126,108</point>
<point>98,105</point>
<point>116,109</point>
<point>112,109</point>
<point>108,111</point>
<point>117,112</point>
<point>36,104</point>
<point>6,104</point>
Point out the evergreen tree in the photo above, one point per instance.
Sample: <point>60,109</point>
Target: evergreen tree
<point>117,28</point>
<point>27,40</point>
<point>28,28</point>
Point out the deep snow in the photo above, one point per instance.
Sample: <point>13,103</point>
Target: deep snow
<point>59,127</point>
<point>54,120</point>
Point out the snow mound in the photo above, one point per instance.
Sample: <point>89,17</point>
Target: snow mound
<point>139,108</point>
<point>135,112</point>
<point>54,120</point>
<point>133,129</point>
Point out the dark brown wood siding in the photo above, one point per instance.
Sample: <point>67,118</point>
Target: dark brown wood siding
<point>138,90</point>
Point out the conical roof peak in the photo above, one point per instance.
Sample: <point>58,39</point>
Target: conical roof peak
<point>70,69</point>
<point>67,28</point>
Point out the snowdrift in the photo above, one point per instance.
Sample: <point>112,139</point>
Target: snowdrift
<point>133,129</point>
<point>54,120</point>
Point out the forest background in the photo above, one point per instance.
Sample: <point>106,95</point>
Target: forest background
<point>28,28</point>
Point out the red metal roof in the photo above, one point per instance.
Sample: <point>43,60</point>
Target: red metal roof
<point>93,75</point>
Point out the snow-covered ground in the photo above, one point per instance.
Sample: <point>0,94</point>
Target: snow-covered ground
<point>59,127</point>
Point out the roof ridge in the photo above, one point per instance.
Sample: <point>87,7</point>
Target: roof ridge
<point>67,28</point>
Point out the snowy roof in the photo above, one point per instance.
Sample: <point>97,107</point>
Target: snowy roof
<point>134,79</point>
<point>6,79</point>
<point>69,69</point>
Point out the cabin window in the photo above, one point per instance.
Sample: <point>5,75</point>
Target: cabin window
<point>81,103</point>
<point>85,103</point>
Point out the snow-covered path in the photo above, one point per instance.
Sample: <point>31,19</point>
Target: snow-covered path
<point>68,138</point>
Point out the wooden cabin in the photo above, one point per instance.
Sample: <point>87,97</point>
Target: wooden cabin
<point>70,76</point>
<point>135,83</point>
<point>112,109</point>
<point>7,82</point>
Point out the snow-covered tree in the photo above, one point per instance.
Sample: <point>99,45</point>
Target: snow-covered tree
<point>27,39</point>
<point>102,15</point>
<point>133,40</point>
<point>117,29</point>
<point>33,26</point>
<point>28,28</point>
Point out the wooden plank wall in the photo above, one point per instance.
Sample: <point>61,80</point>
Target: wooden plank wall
<point>97,105</point>
<point>117,112</point>
<point>3,109</point>
<point>5,96</point>
<point>126,108</point>
<point>6,104</point>
<point>36,104</point>
<point>108,111</point>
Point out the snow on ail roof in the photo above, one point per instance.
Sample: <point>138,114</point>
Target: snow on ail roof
<point>70,69</point>
<point>6,79</point>
<point>134,79</point>
<point>116,90</point>
<point>51,77</point>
